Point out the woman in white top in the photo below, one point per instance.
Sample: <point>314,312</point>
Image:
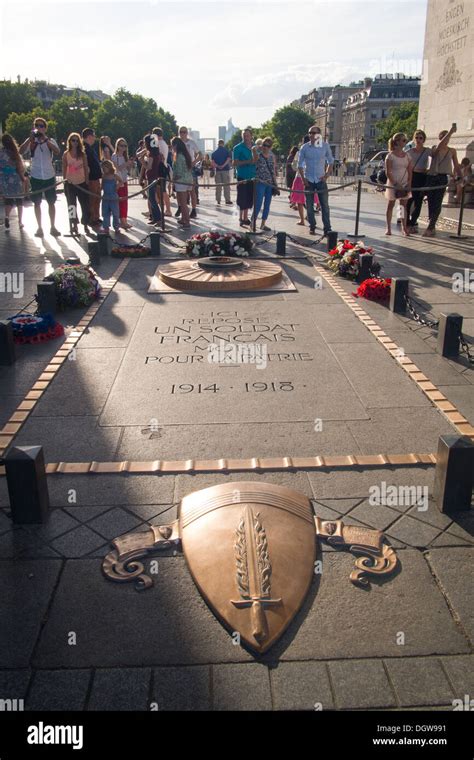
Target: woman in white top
<point>123,164</point>
<point>399,169</point>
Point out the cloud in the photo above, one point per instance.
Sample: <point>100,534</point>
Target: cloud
<point>276,88</point>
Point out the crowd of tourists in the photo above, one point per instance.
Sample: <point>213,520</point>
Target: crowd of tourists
<point>96,174</point>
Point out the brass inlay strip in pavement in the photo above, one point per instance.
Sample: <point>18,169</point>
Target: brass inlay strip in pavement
<point>431,391</point>
<point>21,413</point>
<point>175,467</point>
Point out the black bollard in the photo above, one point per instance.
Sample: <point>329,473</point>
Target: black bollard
<point>46,297</point>
<point>281,244</point>
<point>94,253</point>
<point>365,265</point>
<point>7,345</point>
<point>155,243</point>
<point>103,240</point>
<point>398,294</point>
<point>459,235</point>
<point>331,240</point>
<point>27,486</point>
<point>357,234</point>
<point>454,473</point>
<point>449,333</point>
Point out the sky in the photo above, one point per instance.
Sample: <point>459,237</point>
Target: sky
<point>208,61</point>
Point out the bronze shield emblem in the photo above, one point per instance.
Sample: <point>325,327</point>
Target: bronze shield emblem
<point>251,550</point>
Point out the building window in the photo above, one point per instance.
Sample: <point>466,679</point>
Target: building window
<point>372,131</point>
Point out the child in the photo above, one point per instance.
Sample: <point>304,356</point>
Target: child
<point>110,202</point>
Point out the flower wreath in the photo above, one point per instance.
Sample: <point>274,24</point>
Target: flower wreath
<point>343,259</point>
<point>215,243</point>
<point>136,251</point>
<point>35,328</point>
<point>375,289</point>
<point>76,285</point>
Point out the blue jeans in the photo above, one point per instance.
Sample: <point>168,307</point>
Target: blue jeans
<point>263,194</point>
<point>155,209</point>
<point>110,207</point>
<point>321,189</point>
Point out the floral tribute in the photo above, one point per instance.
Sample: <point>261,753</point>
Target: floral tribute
<point>375,289</point>
<point>137,251</point>
<point>343,259</point>
<point>215,243</point>
<point>35,328</point>
<point>76,285</point>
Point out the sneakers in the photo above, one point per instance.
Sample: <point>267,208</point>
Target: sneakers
<point>312,231</point>
<point>178,213</point>
<point>193,214</point>
<point>229,203</point>
<point>7,223</point>
<point>245,223</point>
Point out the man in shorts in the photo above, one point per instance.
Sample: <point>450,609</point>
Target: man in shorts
<point>42,173</point>
<point>244,158</point>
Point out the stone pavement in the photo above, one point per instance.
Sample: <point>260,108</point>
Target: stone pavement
<point>134,392</point>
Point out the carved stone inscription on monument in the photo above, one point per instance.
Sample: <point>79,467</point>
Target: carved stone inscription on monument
<point>198,363</point>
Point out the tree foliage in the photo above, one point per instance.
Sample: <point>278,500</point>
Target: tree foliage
<point>72,114</point>
<point>402,118</point>
<point>287,127</point>
<point>16,97</point>
<point>19,125</point>
<point>130,115</point>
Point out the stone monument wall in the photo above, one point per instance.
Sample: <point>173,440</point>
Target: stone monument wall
<point>447,90</point>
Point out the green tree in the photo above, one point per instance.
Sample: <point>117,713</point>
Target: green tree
<point>286,127</point>
<point>402,118</point>
<point>16,97</point>
<point>130,115</point>
<point>72,113</point>
<point>20,124</point>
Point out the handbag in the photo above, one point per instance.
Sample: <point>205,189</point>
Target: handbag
<point>275,190</point>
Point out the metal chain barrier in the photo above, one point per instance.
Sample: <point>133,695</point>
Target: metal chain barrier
<point>466,348</point>
<point>417,317</point>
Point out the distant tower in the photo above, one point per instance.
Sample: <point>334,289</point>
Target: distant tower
<point>230,131</point>
<point>222,133</point>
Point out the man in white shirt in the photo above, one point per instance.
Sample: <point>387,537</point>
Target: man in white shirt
<point>42,172</point>
<point>160,143</point>
<point>195,154</point>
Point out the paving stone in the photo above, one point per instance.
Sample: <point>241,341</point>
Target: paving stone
<point>24,585</point>
<point>77,542</point>
<point>21,543</point>
<point>110,490</point>
<point>421,427</point>
<point>184,688</point>
<point>120,689</point>
<point>454,570</point>
<point>149,512</point>
<point>241,687</point>
<point>361,684</point>
<point>463,526</point>
<point>431,515</point>
<point>14,683</point>
<point>411,342</point>
<point>80,439</point>
<point>84,514</point>
<point>326,513</point>
<point>81,386</point>
<point>59,522</point>
<point>439,371</point>
<point>413,532</point>
<point>300,686</point>
<point>9,406</point>
<point>17,379</point>
<point>419,681</point>
<point>375,515</point>
<point>114,523</point>
<point>339,620</point>
<point>176,625</point>
<point>460,672</point>
<point>236,441</point>
<point>356,483</point>
<point>111,330</point>
<point>5,522</point>
<point>339,506</point>
<point>448,539</point>
<point>389,386</point>
<point>462,396</point>
<point>186,484</point>
<point>58,690</point>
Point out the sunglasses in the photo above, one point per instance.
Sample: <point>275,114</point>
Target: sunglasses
<point>420,138</point>
<point>267,145</point>
<point>40,126</point>
<point>74,139</point>
<point>314,133</point>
